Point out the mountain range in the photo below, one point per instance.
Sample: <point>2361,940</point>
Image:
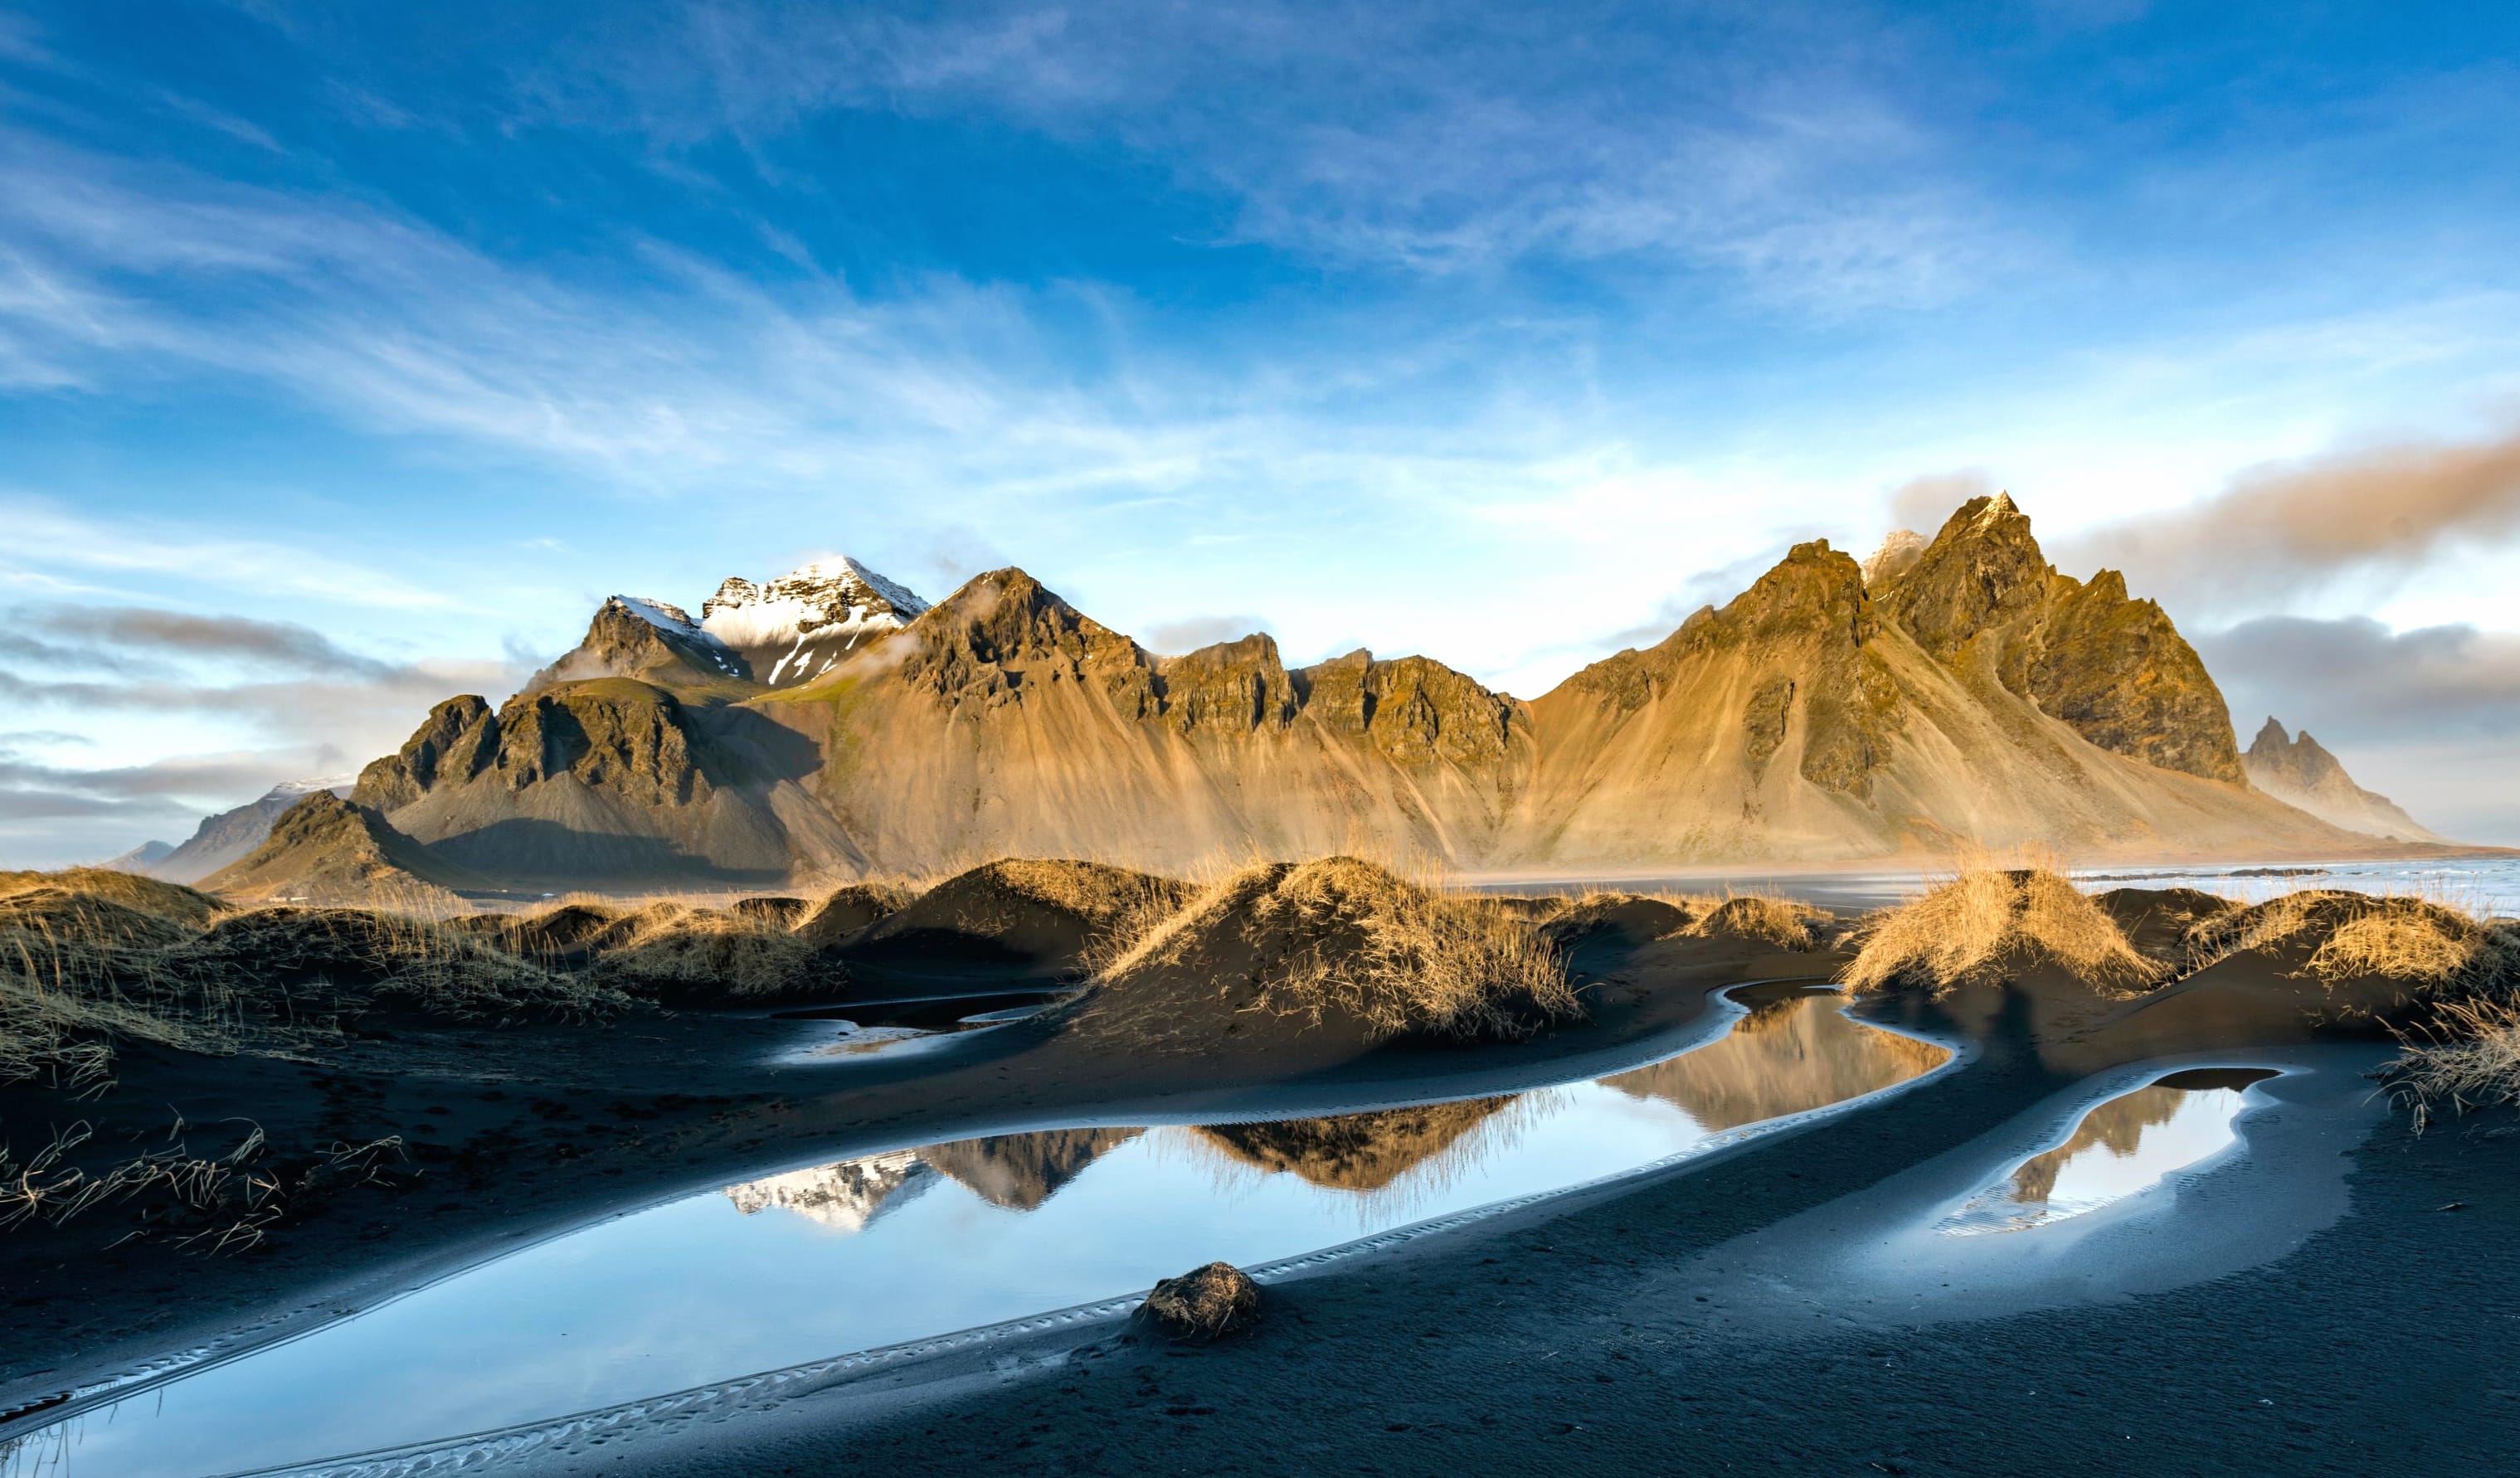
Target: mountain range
<point>1952,688</point>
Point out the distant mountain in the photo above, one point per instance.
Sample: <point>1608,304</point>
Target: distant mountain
<point>227,836</point>
<point>327,850</point>
<point>2300,772</point>
<point>1962,690</point>
<point>140,858</point>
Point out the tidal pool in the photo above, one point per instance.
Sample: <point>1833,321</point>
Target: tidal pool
<point>2127,1144</point>
<point>884,1248</point>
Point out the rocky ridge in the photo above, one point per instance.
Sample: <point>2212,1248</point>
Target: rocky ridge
<point>1965,688</point>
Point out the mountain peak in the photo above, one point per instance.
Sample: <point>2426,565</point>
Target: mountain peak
<point>794,628</point>
<point>1900,550</point>
<point>2300,772</point>
<point>637,637</point>
<point>1982,569</point>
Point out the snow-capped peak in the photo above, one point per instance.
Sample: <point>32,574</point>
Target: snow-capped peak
<point>797,626</point>
<point>339,785</point>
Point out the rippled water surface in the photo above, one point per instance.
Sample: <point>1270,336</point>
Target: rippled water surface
<point>883,1249</point>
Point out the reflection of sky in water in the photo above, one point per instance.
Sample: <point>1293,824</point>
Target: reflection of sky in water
<point>866,1253</point>
<point>2127,1144</point>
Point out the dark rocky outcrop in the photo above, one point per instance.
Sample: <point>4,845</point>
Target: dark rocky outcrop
<point>1232,688</point>
<point>1983,597</point>
<point>1413,709</point>
<point>457,741</point>
<point>1005,629</point>
<point>635,638</point>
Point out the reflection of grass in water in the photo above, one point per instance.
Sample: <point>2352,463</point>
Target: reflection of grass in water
<point>1786,1057</point>
<point>1391,1165</point>
<point>40,1454</point>
<point>2117,1126</point>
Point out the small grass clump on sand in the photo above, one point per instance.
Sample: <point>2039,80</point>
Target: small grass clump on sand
<point>1986,918</point>
<point>673,952</point>
<point>1347,938</point>
<point>1780,921</point>
<point>2468,1056</point>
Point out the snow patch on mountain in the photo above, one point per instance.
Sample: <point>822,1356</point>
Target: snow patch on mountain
<point>796,627</point>
<point>844,1197</point>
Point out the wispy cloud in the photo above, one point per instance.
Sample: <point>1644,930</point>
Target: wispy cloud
<point>45,541</point>
<point>1769,147</point>
<point>2288,527</point>
<point>128,638</point>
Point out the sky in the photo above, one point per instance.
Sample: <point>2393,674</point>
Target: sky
<point>351,354</point>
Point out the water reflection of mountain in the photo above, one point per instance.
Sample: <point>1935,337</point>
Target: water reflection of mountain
<point>1364,1151</point>
<point>2116,1125</point>
<point>1020,1170</point>
<point>1785,1058</point>
<point>844,1195</point>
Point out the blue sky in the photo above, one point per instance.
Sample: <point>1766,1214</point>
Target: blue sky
<point>1508,335</point>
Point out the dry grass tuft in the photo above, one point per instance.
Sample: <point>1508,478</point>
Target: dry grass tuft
<point>189,908</point>
<point>2467,1057</point>
<point>670,951</point>
<point>1780,921</point>
<point>1570,918</point>
<point>218,1203</point>
<point>80,970</point>
<point>2347,935</point>
<point>1986,918</point>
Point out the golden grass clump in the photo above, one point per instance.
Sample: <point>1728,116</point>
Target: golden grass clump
<point>2468,1056</point>
<point>1119,906</point>
<point>1971,926</point>
<point>189,908</point>
<point>1570,918</point>
<point>699,955</point>
<point>1348,937</point>
<point>2349,935</point>
<point>1780,921</point>
<point>78,970</point>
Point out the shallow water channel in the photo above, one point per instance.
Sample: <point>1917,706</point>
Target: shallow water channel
<point>903,1245</point>
<point>2119,1148</point>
